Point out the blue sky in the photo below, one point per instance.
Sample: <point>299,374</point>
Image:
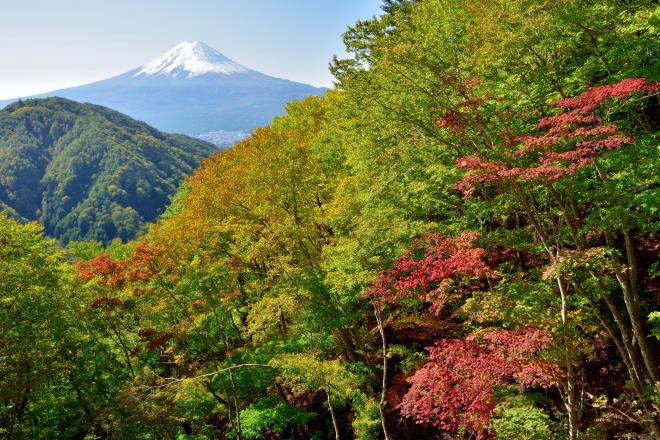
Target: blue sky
<point>50,44</point>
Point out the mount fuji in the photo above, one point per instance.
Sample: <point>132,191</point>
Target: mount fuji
<point>193,89</point>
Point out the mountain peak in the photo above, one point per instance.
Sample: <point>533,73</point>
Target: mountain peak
<point>189,59</point>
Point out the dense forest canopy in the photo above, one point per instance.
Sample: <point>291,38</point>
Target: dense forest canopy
<point>87,172</point>
<point>459,241</point>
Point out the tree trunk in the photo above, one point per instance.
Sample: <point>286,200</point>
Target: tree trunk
<point>332,414</point>
<point>124,349</point>
<point>632,297</point>
<point>637,329</point>
<point>381,404</point>
<point>348,348</point>
<point>568,356</point>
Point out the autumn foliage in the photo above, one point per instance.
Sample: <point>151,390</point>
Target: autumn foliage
<point>455,387</point>
<point>324,278</point>
<point>431,269</point>
<point>572,140</point>
<point>140,266</point>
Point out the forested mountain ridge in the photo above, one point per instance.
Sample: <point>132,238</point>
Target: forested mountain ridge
<point>88,172</point>
<point>459,242</point>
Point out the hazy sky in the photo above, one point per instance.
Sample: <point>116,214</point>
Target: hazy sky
<point>51,44</point>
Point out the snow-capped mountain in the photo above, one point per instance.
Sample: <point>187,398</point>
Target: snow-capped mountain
<point>192,89</point>
<point>190,59</point>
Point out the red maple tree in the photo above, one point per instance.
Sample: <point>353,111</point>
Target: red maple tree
<point>455,388</point>
<point>140,266</point>
<point>427,268</point>
<point>571,140</point>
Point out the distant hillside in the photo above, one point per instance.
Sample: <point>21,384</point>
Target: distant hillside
<point>88,172</point>
<point>193,89</point>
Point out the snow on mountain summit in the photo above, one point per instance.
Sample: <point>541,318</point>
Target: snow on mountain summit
<point>190,59</point>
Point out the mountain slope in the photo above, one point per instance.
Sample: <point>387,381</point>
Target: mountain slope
<point>193,89</point>
<point>88,172</point>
